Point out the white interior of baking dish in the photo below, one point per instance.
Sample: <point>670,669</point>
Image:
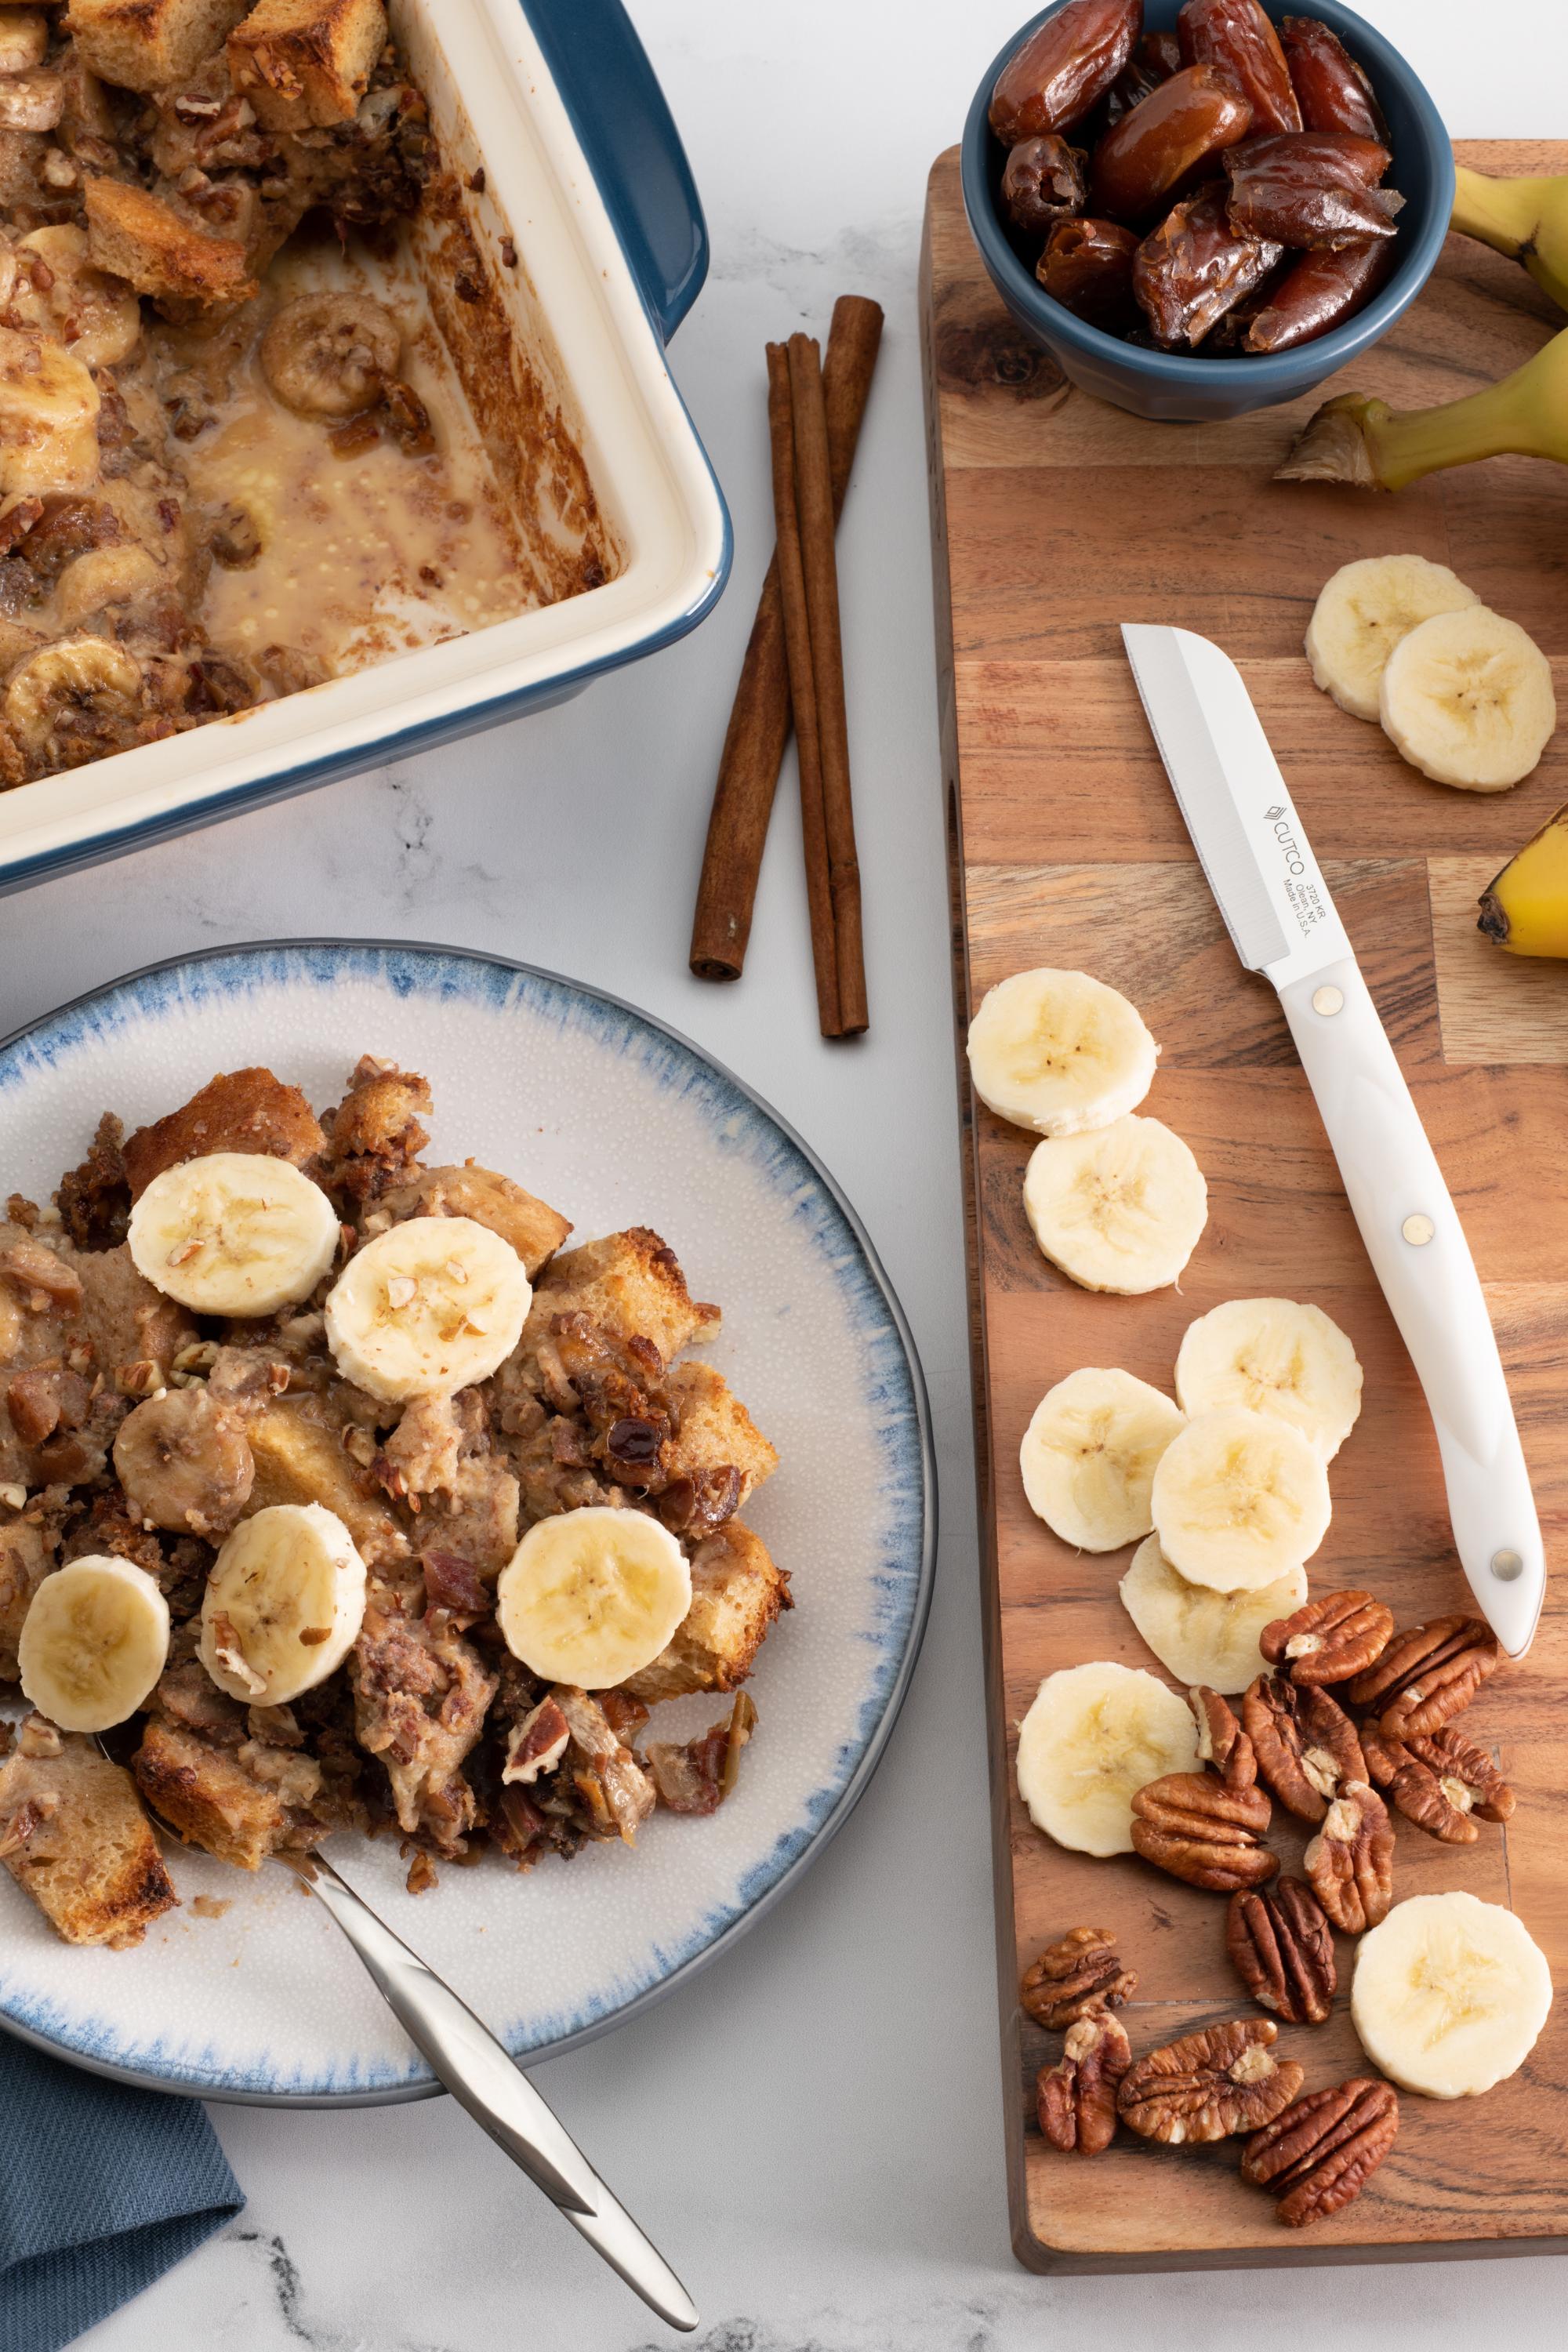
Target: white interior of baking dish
<point>492,102</point>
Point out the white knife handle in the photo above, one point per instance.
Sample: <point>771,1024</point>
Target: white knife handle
<point>1421,1257</point>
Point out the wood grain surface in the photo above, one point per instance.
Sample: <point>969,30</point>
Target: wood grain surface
<point>1055,519</point>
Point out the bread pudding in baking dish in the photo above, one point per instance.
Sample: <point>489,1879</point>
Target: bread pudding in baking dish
<point>247,326</point>
<point>337,1492</point>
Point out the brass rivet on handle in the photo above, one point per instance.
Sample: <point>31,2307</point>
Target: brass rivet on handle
<point>1418,1230</point>
<point>1327,1000</point>
<point>1507,1565</point>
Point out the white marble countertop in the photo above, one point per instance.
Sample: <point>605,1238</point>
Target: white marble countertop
<point>812,2129</point>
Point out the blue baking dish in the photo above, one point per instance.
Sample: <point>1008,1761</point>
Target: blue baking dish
<point>585,176</point>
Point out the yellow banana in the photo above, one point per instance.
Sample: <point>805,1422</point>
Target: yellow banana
<point>1525,908</point>
<point>1365,443</point>
<point>1526,219</point>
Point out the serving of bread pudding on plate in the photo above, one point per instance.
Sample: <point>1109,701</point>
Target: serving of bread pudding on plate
<point>337,1492</point>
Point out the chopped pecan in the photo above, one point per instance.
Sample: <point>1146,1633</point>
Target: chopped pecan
<point>1350,1860</point>
<point>1322,2152</point>
<point>1208,2086</point>
<point>1221,1740</point>
<point>537,1744</point>
<point>1441,1782</point>
<point>1283,1951</point>
<point>1428,1675</point>
<point>1079,1973</point>
<point>1075,2099</point>
<point>697,1777</point>
<point>1329,1640</point>
<point>1306,1744</point>
<point>1200,1831</point>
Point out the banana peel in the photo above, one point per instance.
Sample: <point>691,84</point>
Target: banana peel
<point>1525,907</point>
<point>1525,218</point>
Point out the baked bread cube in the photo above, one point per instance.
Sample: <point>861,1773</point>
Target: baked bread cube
<point>300,1461</point>
<point>715,1432</point>
<point>150,44</point>
<point>26,1559</point>
<point>139,237</point>
<point>534,1230</point>
<point>75,1838</point>
<point>203,1792</point>
<point>628,1282</point>
<point>304,64</point>
<point>737,1592</point>
<point>240,1110</point>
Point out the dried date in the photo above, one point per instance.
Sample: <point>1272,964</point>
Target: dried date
<point>1209,2084</point>
<point>1043,183</point>
<point>1282,1949</point>
<point>1322,293</point>
<point>1237,34</point>
<point>1076,2100</point>
<point>1319,2154</point>
<point>1194,268</point>
<point>1157,57</point>
<point>1061,71</point>
<point>1087,265</point>
<point>1078,1973</point>
<point>1161,147</point>
<point>1312,190</point>
<point>1333,91</point>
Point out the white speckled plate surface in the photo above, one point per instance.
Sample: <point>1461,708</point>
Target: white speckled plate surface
<point>617,1122</point>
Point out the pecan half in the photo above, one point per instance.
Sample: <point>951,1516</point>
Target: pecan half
<point>1075,2099</point>
<point>1209,2084</point>
<point>1282,1949</point>
<point>1306,1743</point>
<point>1329,1640</point>
<point>1428,1675</point>
<point>1350,1860</point>
<point>1221,1740</point>
<point>1322,2152</point>
<point>1443,1783</point>
<point>1080,1973</point>
<point>1194,1826</point>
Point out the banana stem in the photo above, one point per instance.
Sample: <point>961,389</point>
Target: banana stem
<point>1364,442</point>
<point>1525,218</point>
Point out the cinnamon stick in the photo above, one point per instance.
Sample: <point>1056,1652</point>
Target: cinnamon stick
<point>802,686</point>
<point>819,560</point>
<point>759,727</point>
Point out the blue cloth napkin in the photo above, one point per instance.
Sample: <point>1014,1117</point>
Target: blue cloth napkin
<point>102,2188</point>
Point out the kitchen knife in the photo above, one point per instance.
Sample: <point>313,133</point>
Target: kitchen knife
<point>1283,923</point>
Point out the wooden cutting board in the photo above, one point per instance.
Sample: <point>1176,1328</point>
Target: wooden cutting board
<point>1055,519</point>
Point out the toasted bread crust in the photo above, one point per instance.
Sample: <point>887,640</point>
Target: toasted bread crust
<point>148,44</point>
<point>534,1230</point>
<point>307,63</point>
<point>737,1592</point>
<point>201,1792</point>
<point>90,1862</point>
<point>240,1110</point>
<point>632,1284</point>
<point>137,237</point>
<point>715,1429</point>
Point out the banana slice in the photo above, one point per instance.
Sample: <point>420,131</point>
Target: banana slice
<point>1122,1210</point>
<point>1273,1356</point>
<point>1239,1500</point>
<point>1362,612</point>
<point>93,1643</point>
<point>1449,1995</point>
<point>1088,1456</point>
<point>1200,1635</point>
<point>592,1596</point>
<point>48,416</point>
<point>99,316</point>
<point>1467,698</point>
<point>1093,1737</point>
<point>330,354</point>
<point>426,1308</point>
<point>236,1233</point>
<point>1059,1051</point>
<point>283,1605</point>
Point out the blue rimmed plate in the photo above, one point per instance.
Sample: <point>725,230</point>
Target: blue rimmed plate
<point>254,1995</point>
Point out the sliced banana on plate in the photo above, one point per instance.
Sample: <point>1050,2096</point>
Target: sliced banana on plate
<point>1450,1994</point>
<point>236,1233</point>
<point>1059,1051</point>
<point>592,1596</point>
<point>428,1307</point>
<point>1240,1499</point>
<point>283,1605</point>
<point>1201,1635</point>
<point>93,1643</point>
<point>1362,614</point>
<point>1094,1736</point>
<point>1088,1457</point>
<point>1467,698</point>
<point>1272,1355</point>
<point>1120,1210</point>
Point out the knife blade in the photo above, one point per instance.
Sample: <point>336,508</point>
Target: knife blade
<point>1283,923</point>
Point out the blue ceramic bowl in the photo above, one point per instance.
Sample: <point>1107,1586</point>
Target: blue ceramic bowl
<point>1166,385</point>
